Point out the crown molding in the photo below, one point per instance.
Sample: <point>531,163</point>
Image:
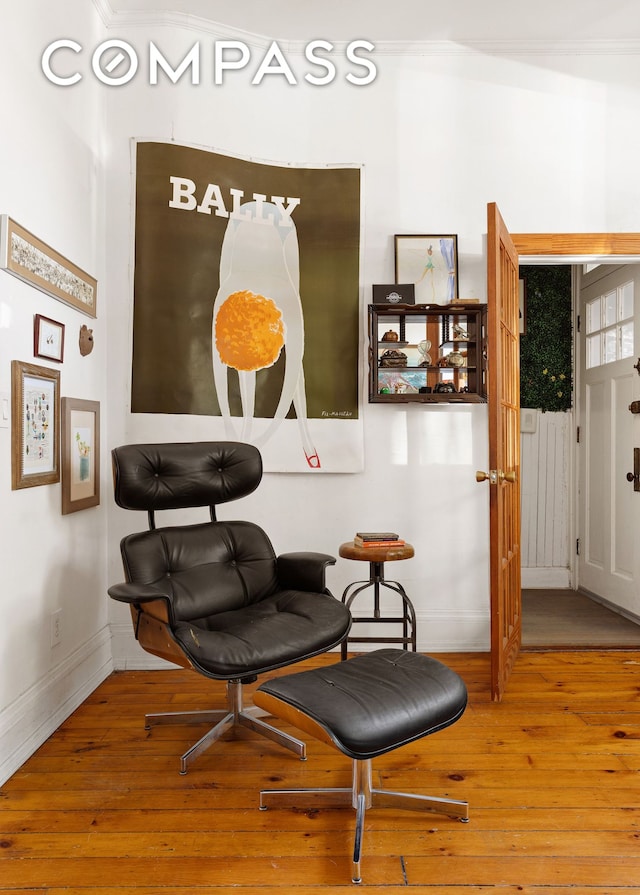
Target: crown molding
<point>114,20</point>
<point>104,11</point>
<point>507,48</point>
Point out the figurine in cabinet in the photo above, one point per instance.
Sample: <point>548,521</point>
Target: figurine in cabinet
<point>390,336</point>
<point>445,388</point>
<point>423,351</point>
<point>455,359</point>
<point>393,358</point>
<point>459,333</point>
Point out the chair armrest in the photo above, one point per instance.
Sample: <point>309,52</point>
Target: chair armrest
<point>137,593</point>
<point>304,571</point>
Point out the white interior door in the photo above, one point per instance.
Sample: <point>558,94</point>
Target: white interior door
<point>608,505</point>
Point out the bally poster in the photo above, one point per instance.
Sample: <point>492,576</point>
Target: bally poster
<point>246,304</point>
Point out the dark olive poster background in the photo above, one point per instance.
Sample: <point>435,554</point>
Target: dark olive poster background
<point>176,278</point>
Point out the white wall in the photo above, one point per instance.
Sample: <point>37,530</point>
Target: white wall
<point>419,464</point>
<point>439,136</point>
<point>441,132</point>
<point>51,182</point>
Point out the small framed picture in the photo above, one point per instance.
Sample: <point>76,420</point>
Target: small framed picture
<point>80,454</point>
<point>48,338</point>
<point>35,425</point>
<point>431,264</point>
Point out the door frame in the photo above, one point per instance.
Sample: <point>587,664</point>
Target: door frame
<point>576,248</point>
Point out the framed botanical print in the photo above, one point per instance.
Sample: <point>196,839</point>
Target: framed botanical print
<point>80,454</point>
<point>35,435</point>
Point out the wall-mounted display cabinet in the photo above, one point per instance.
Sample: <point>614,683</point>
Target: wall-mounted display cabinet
<point>431,354</point>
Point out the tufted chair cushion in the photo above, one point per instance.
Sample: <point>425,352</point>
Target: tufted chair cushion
<point>227,605</point>
<point>286,627</point>
<point>207,568</point>
<point>173,476</point>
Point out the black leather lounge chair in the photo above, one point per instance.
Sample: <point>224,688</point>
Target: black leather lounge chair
<point>213,596</point>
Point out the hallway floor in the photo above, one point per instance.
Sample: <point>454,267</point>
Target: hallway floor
<point>558,618</point>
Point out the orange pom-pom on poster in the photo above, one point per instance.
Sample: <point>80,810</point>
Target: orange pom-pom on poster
<point>249,331</point>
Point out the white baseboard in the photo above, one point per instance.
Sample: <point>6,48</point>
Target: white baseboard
<point>438,631</point>
<point>620,610</point>
<point>27,722</point>
<point>546,577</point>
<point>127,653</point>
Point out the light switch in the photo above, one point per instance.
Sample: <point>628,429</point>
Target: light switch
<point>528,421</point>
<point>5,410</point>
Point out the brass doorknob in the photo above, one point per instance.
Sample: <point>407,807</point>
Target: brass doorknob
<point>491,476</point>
<point>494,476</point>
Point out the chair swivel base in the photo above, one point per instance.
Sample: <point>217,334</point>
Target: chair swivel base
<point>235,715</point>
<point>361,796</point>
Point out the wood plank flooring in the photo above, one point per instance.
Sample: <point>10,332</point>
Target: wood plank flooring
<point>550,774</point>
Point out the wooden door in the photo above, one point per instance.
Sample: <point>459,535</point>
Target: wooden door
<point>503,251</point>
<point>503,351</point>
<point>609,505</point>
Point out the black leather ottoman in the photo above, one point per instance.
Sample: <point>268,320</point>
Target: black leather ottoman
<point>365,707</point>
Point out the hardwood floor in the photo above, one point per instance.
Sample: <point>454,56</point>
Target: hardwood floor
<point>551,776</point>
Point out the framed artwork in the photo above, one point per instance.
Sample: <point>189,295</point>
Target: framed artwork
<point>80,454</point>
<point>431,264</point>
<point>33,261</point>
<point>48,338</point>
<point>35,424</point>
<point>249,377</point>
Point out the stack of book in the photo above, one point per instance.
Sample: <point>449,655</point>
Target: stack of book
<point>377,539</point>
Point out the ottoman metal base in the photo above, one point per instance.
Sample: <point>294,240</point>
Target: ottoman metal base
<point>361,796</point>
<point>365,707</point>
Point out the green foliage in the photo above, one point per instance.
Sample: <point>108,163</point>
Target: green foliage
<point>546,347</point>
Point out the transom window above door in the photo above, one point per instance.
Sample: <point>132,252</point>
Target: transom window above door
<point>609,329</point>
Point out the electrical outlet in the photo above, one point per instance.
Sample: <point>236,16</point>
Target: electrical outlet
<point>56,627</point>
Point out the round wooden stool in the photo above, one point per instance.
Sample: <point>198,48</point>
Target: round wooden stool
<point>377,557</point>
<point>366,707</point>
